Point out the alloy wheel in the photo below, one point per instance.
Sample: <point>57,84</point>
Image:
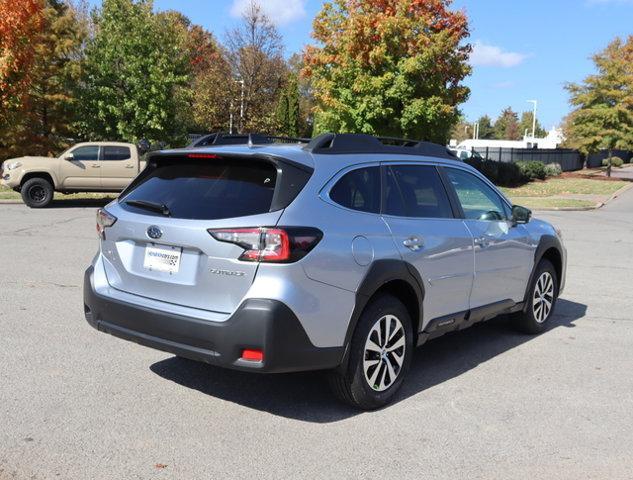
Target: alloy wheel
<point>543,298</point>
<point>37,193</point>
<point>384,353</point>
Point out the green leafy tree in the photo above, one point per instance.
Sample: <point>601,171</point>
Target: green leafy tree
<point>486,130</point>
<point>525,125</point>
<point>603,103</point>
<point>288,110</point>
<point>506,127</point>
<point>132,70</point>
<point>389,67</point>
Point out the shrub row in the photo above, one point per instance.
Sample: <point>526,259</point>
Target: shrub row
<point>615,162</point>
<point>514,174</point>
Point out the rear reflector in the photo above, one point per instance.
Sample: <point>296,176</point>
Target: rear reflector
<point>253,355</point>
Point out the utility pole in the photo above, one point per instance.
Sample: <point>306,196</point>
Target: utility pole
<point>535,102</point>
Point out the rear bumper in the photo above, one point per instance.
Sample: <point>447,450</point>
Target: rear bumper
<point>262,324</point>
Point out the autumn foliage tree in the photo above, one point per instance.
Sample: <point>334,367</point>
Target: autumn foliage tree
<point>40,115</point>
<point>603,103</point>
<point>507,125</point>
<point>389,67</point>
<point>20,22</point>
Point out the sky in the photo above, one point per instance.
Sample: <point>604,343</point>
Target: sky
<point>523,50</point>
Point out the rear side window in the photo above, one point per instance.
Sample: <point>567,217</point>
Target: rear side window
<point>207,190</point>
<point>359,190</point>
<point>416,191</point>
<point>116,153</point>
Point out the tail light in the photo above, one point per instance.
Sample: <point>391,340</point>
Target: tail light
<point>104,220</point>
<point>274,245</point>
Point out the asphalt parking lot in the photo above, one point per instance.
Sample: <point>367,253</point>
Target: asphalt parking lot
<point>483,403</point>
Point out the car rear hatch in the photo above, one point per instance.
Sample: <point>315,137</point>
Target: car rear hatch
<point>160,247</point>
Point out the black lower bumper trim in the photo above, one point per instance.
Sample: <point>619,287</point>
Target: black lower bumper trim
<point>263,324</point>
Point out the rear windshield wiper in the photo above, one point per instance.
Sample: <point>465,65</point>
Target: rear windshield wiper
<point>155,207</point>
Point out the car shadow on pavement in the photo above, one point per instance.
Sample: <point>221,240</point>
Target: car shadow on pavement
<point>80,203</point>
<point>306,396</point>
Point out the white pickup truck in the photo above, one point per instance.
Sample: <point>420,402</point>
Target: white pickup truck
<point>85,167</point>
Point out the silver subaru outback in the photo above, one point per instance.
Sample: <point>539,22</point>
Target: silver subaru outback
<point>343,255</point>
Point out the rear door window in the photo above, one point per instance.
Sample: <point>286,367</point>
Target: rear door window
<point>207,190</point>
<point>116,153</point>
<point>359,190</point>
<point>416,191</point>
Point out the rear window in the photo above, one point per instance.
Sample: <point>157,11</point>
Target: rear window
<point>207,190</point>
<point>359,190</point>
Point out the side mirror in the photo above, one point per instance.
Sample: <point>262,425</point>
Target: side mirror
<point>69,156</point>
<point>521,214</point>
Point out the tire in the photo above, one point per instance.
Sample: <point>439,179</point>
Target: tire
<point>541,300</point>
<point>37,192</point>
<point>353,385</point>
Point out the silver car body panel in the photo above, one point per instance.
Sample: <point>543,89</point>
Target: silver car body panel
<point>321,288</point>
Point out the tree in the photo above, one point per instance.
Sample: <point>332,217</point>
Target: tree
<point>506,127</point>
<point>254,51</point>
<point>486,130</point>
<point>389,67</point>
<point>20,22</point>
<point>42,125</point>
<point>204,103</point>
<point>288,114</point>
<point>525,125</point>
<point>462,130</point>
<point>133,67</point>
<point>603,103</point>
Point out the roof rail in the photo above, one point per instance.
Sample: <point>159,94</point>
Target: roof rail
<point>250,139</point>
<point>341,143</point>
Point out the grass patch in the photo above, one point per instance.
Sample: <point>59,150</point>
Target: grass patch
<point>535,203</point>
<point>565,186</point>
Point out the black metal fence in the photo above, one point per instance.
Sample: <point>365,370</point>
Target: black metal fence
<point>569,160</point>
<point>595,159</point>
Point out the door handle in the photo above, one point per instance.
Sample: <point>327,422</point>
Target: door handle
<point>96,166</point>
<point>129,166</point>
<point>413,243</point>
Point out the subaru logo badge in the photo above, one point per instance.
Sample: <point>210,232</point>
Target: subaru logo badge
<point>154,232</point>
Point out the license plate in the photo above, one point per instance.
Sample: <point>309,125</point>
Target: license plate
<point>162,259</point>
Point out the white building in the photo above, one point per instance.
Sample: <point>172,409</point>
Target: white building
<point>552,140</point>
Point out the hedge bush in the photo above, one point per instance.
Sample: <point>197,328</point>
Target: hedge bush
<point>532,170</point>
<point>500,173</point>
<point>553,170</point>
<point>615,162</point>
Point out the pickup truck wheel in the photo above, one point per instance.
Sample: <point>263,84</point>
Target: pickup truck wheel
<point>37,192</point>
<point>380,355</point>
<point>541,299</point>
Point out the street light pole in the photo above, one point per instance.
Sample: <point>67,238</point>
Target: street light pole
<point>241,106</point>
<point>535,102</point>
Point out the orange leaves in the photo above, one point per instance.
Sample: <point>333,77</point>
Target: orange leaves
<point>20,22</point>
